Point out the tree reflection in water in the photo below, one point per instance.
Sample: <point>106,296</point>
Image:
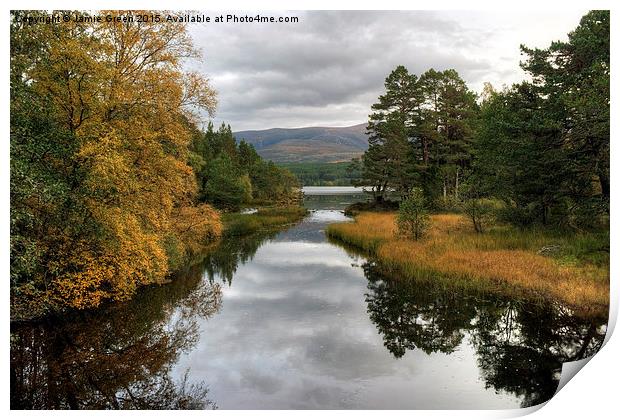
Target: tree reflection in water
<point>222,261</point>
<point>122,356</point>
<point>119,357</point>
<point>520,347</point>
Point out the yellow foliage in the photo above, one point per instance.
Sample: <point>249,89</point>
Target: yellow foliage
<point>121,90</point>
<point>196,226</point>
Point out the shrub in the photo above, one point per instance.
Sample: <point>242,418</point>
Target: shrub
<point>587,214</point>
<point>517,215</point>
<point>413,219</point>
<point>481,212</point>
<point>449,203</point>
<point>356,208</point>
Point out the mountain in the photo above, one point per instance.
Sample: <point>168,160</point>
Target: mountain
<point>308,144</point>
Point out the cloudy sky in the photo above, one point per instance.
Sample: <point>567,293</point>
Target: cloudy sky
<point>327,69</point>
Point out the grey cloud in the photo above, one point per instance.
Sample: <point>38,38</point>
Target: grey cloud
<point>330,67</point>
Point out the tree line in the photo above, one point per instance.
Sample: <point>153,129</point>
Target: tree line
<point>231,174</point>
<point>540,147</point>
<point>113,186</point>
<point>322,174</point>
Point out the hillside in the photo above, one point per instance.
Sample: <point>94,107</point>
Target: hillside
<point>308,144</point>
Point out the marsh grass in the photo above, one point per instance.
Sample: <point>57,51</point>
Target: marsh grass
<point>572,268</point>
<point>237,224</point>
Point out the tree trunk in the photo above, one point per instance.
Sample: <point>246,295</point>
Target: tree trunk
<point>586,342</point>
<point>456,184</point>
<point>379,199</point>
<point>604,180</point>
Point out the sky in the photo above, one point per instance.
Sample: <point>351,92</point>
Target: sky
<point>329,68</point>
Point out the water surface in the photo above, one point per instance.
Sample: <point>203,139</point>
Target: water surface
<point>292,320</point>
<point>343,190</point>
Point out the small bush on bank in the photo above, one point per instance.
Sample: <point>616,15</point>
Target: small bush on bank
<point>521,217</point>
<point>481,211</point>
<point>413,219</point>
<point>447,204</point>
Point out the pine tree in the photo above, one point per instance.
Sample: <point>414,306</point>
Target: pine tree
<point>386,163</point>
<point>573,78</point>
<point>446,130</point>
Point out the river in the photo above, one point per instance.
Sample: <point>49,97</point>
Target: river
<point>291,320</point>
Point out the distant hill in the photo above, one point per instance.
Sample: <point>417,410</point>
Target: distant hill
<point>308,144</point>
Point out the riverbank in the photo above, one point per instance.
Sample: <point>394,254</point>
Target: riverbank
<point>287,290</point>
<point>540,264</point>
<point>237,224</point>
<point>233,225</point>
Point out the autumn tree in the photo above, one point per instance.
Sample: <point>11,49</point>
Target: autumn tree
<point>112,141</point>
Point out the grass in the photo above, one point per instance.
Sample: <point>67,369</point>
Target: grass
<point>572,268</point>
<point>237,224</point>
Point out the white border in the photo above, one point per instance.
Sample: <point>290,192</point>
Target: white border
<point>593,394</point>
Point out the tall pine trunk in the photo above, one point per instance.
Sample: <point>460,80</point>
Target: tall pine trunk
<point>456,184</point>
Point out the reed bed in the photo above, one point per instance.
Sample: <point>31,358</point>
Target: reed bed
<point>237,224</point>
<point>504,259</point>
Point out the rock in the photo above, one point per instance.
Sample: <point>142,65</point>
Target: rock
<point>549,250</point>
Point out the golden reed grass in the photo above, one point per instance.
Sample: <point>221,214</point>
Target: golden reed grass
<point>504,261</point>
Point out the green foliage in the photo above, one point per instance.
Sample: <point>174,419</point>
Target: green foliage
<point>386,163</point>
<point>445,132</point>
<point>420,134</point>
<point>413,218</point>
<point>225,188</point>
<point>481,212</point>
<point>541,146</point>
<point>323,174</point>
<point>573,77</point>
<point>230,175</point>
<point>237,224</point>
<point>274,185</point>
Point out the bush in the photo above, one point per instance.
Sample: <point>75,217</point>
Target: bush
<point>517,215</point>
<point>356,208</point>
<point>587,214</point>
<point>449,203</point>
<point>413,219</point>
<point>481,212</point>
